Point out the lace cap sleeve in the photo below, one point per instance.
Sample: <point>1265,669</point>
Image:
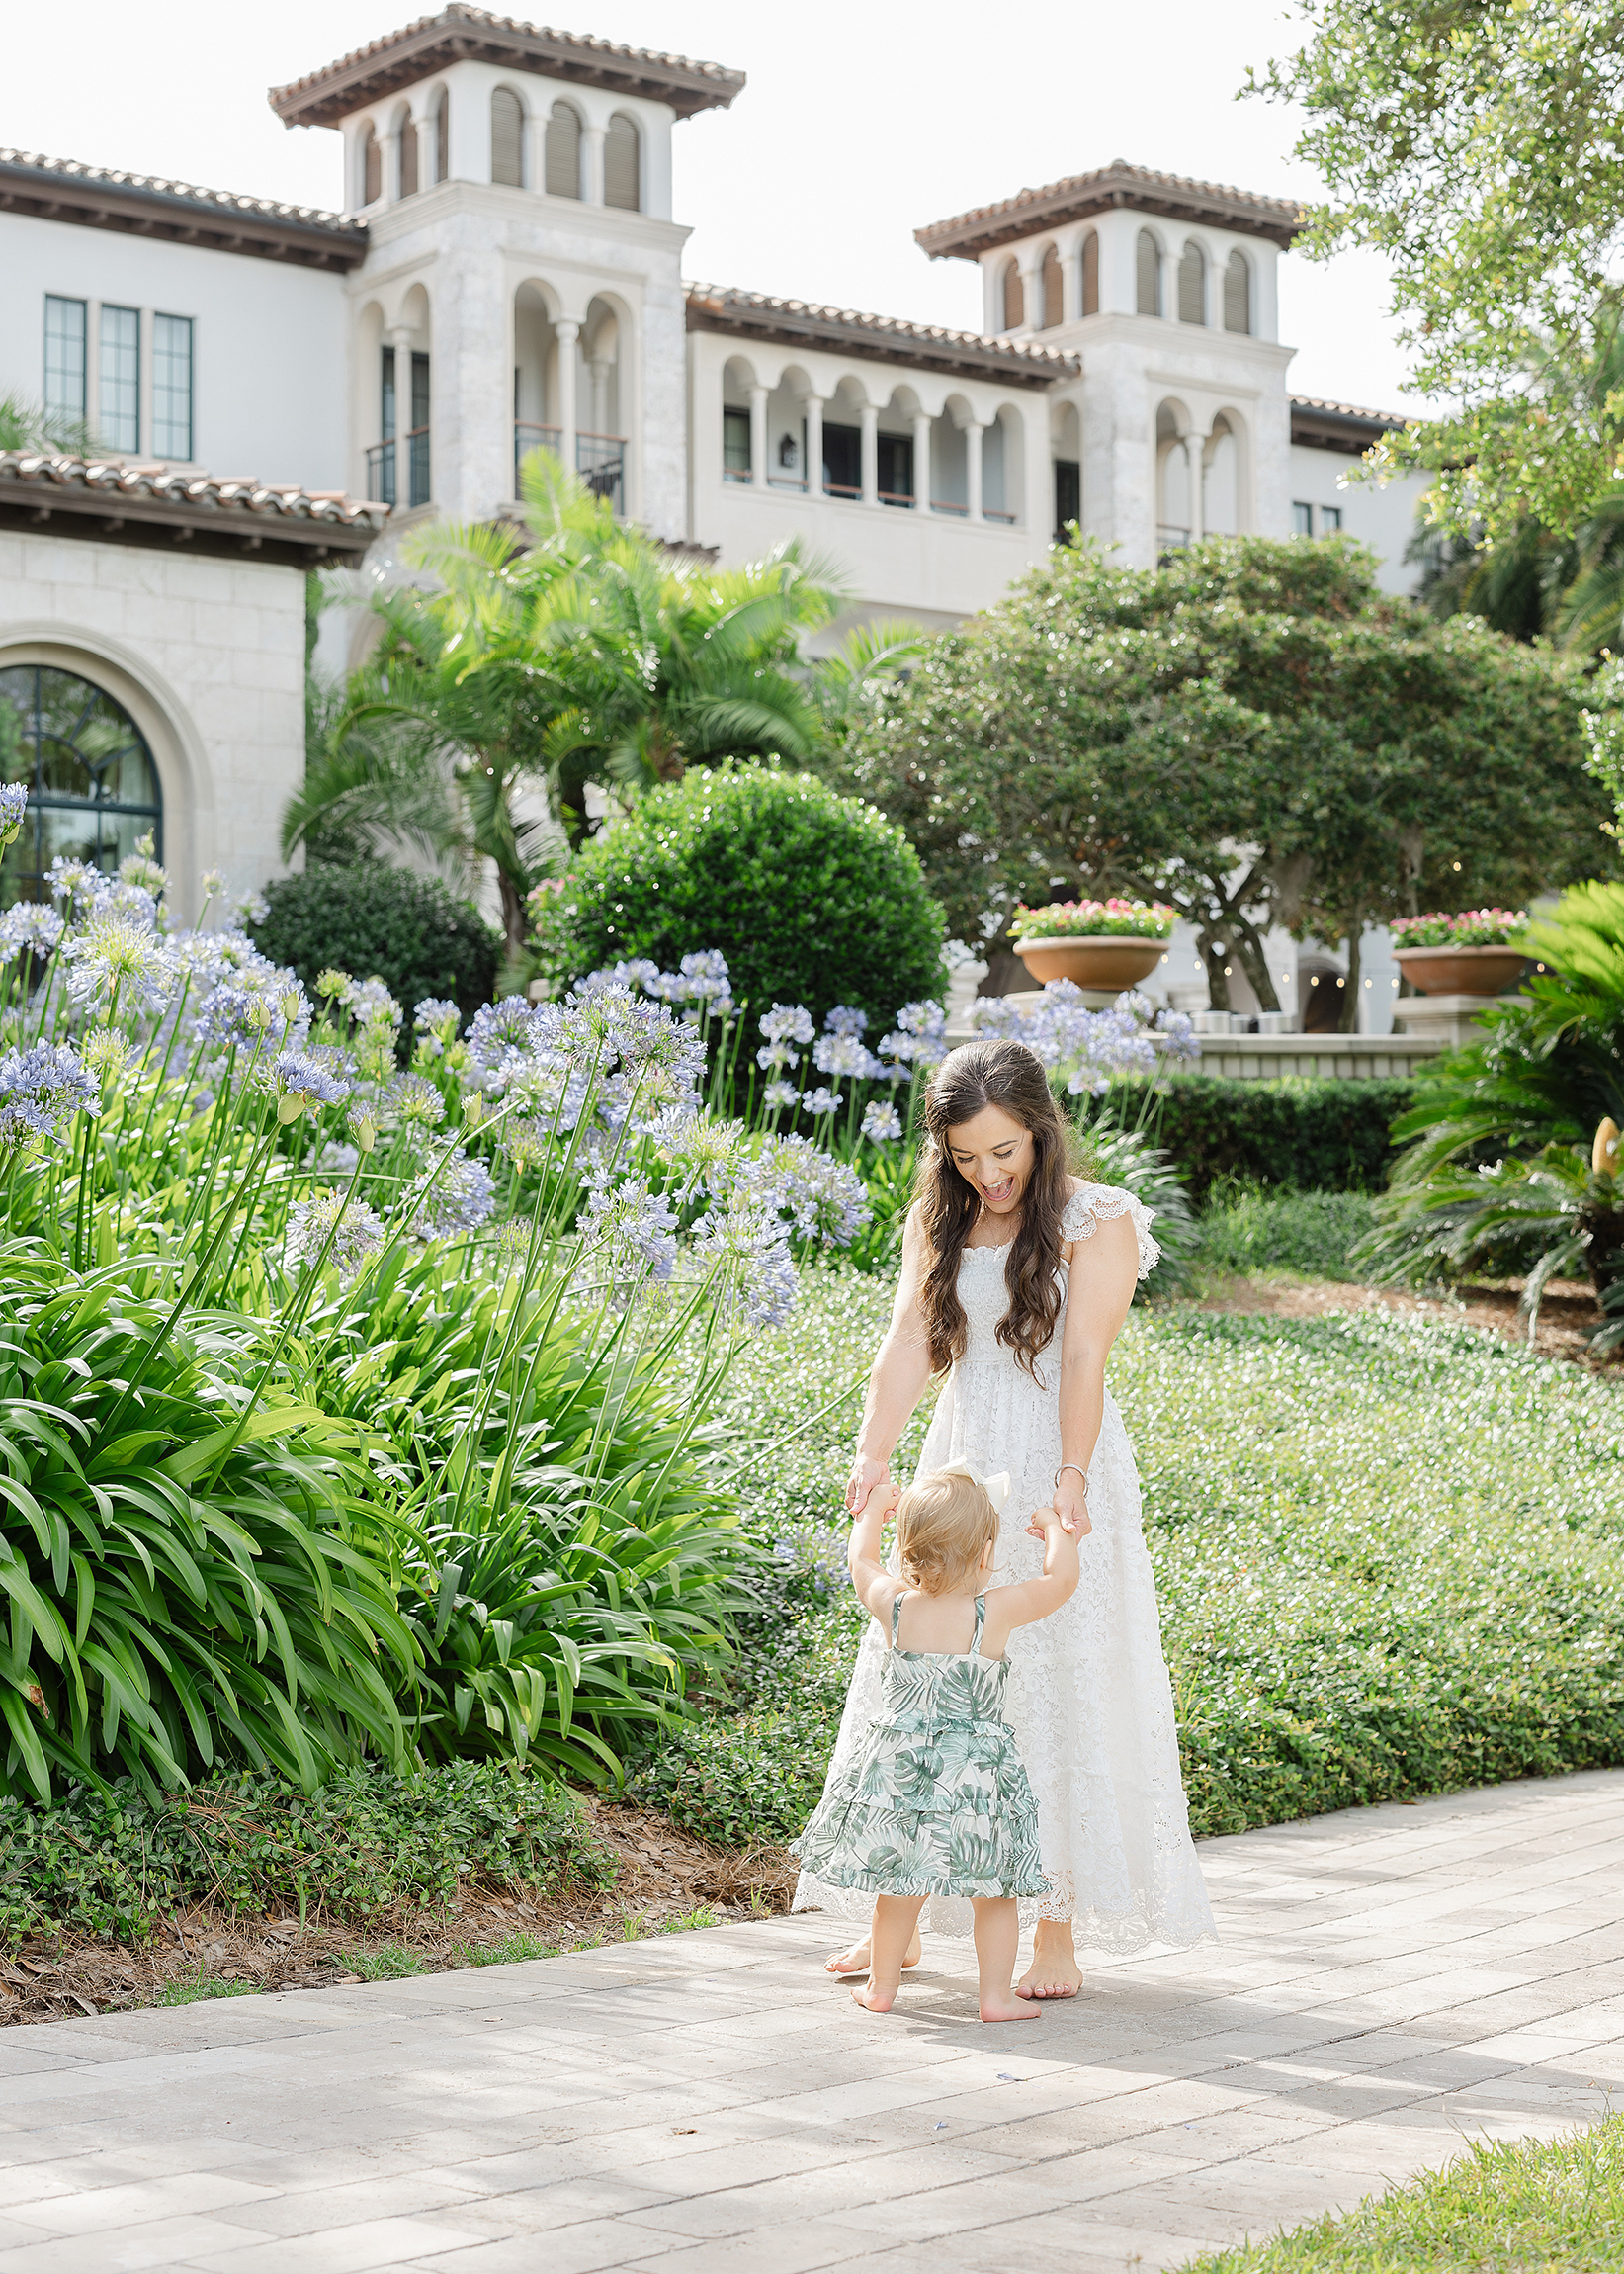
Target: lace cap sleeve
<point>1086,1208</point>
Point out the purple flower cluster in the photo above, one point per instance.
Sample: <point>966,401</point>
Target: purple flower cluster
<point>1091,1047</point>
<point>41,1090</point>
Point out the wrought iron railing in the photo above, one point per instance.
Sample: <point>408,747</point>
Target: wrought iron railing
<point>600,458</point>
<point>528,437</point>
<point>384,463</point>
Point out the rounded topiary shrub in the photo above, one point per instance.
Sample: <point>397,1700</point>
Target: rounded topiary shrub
<point>812,898</point>
<point>377,921</point>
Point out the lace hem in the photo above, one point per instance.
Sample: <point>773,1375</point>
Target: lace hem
<point>1085,1210</point>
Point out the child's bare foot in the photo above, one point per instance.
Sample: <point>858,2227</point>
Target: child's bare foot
<point>856,1959</point>
<point>1053,1971</point>
<point>873,2000</point>
<point>1007,2008</point>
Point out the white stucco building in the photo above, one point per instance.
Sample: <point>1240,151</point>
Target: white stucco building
<point>508,272</point>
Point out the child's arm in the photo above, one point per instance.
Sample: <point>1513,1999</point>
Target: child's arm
<point>1010,1606</point>
<point>876,1587</point>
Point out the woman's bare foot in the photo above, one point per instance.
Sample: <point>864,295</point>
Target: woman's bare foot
<point>856,1961</point>
<point>1053,1971</point>
<point>1010,2008</point>
<point>873,2000</point>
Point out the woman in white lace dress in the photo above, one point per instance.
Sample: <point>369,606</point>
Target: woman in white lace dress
<point>1018,1276</point>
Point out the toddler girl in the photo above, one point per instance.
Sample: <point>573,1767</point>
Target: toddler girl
<point>935,1800</point>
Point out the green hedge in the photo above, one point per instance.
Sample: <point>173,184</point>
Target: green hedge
<point>1318,1136</point>
<point>114,1864</point>
<point>383,922</point>
<point>812,897</point>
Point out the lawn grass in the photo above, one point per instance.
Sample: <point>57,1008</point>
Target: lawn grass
<point>205,1986</point>
<point>1389,1552</point>
<point>1517,2207</point>
<point>1248,1228</point>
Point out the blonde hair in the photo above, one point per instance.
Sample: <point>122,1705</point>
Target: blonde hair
<point>943,1523</point>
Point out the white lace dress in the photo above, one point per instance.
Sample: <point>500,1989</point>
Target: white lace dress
<point>1089,1698</point>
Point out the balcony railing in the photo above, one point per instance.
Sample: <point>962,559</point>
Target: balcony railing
<point>526,438</point>
<point>600,460</point>
<point>383,465</point>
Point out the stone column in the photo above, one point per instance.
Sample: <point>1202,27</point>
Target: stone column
<point>1170,287</point>
<point>1195,446</point>
<point>1032,299</point>
<point>758,437</point>
<point>592,141</point>
<point>811,408</point>
<point>534,155</point>
<point>598,369</point>
<point>423,128</point>
<point>1071,282</point>
<point>871,454</point>
<point>972,432</point>
<point>921,461</point>
<point>389,170</point>
<point>566,332</point>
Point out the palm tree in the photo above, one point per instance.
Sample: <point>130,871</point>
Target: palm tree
<point>539,661</point>
<point>28,426</point>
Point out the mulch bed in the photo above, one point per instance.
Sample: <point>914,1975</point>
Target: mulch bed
<point>662,1876</point>
<point>1570,1309</point>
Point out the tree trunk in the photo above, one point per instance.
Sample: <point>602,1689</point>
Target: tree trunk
<point>1348,1022</point>
<point>1255,962</point>
<point>1214,952</point>
<point>515,920</point>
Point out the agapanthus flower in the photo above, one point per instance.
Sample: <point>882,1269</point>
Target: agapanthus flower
<point>117,895</point>
<point>628,1232</point>
<point>29,927</point>
<point>415,1101</point>
<point>788,1022</point>
<point>922,1028</point>
<point>370,1002</point>
<point>301,1085</point>
<point>844,1054</point>
<point>458,1196</point>
<point>846,1018</point>
<point>335,1160</point>
<point>744,1246</point>
<point>362,1120</point>
<point>42,1088</point>
<point>496,1028</point>
<point>818,1101</point>
<point>14,805</point>
<point>356,1231</point>
<point>106,1052</point>
<point>778,1094</point>
<point>881,1122</point>
<point>824,1197</point>
<point>710,1154</point>
<point>78,881</point>
<point>525,1141</point>
<point>331,983</point>
<point>118,953</point>
<point>247,907</point>
<point>437,1022</point>
<point>141,867</point>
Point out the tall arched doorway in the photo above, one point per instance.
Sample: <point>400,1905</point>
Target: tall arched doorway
<point>93,788</point>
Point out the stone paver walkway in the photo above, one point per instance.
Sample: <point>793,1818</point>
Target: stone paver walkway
<point>1391,1982</point>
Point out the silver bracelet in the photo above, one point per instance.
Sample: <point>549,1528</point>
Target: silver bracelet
<point>1072,1464</point>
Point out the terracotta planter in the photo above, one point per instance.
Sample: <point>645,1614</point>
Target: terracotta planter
<point>1092,959</point>
<point>1461,970</point>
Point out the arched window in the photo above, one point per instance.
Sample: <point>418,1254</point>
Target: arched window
<point>442,137</point>
<point>1192,286</point>
<point>1054,301</point>
<point>92,789</point>
<point>563,153</point>
<point>1090,274</point>
<point>1236,293</point>
<point>1014,299</point>
<point>1147,275</point>
<point>409,157</point>
<point>372,169</point>
<point>507,139</point>
<point>621,184</point>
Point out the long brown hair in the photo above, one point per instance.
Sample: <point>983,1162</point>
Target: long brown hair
<point>1007,1074</point>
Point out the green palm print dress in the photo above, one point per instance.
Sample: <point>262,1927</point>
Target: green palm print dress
<point>935,1800</point>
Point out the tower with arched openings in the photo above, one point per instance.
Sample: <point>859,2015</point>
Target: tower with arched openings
<point>522,285</point>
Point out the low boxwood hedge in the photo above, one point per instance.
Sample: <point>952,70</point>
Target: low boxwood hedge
<point>1317,1135</point>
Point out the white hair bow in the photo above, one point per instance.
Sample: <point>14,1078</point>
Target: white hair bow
<point>997,1487</point>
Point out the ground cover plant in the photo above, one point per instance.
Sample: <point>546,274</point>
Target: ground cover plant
<point>1557,2205</point>
<point>1388,1549</point>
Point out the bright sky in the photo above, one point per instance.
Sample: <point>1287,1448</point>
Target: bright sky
<point>862,119</point>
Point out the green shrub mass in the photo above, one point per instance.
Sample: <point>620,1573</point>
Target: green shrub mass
<point>812,897</point>
<point>1320,1136</point>
<point>382,922</point>
<point>1249,1228</point>
<point>1388,1551</point>
<point>368,1842</point>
